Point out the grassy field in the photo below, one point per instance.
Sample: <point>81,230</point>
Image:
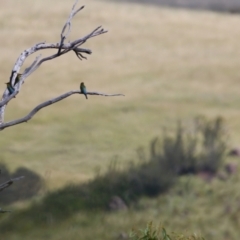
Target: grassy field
<point>170,64</point>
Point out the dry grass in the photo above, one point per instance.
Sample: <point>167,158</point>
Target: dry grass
<point>170,64</point>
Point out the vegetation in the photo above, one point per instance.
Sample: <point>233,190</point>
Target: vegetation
<point>151,177</point>
<point>184,64</point>
<point>152,233</point>
<point>202,148</point>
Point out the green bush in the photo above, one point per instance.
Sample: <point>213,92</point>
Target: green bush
<point>146,179</point>
<point>214,144</point>
<point>152,233</point>
<point>190,150</point>
<point>181,153</point>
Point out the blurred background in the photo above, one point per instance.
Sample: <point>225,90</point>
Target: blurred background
<point>167,152</point>
<point>232,6</point>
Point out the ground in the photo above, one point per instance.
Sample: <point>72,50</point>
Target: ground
<point>171,64</point>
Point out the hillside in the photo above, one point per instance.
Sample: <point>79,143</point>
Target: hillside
<point>170,63</point>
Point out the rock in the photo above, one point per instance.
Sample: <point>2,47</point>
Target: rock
<point>122,235</point>
<point>116,204</point>
<point>222,176</point>
<point>206,175</point>
<point>234,152</point>
<point>231,168</point>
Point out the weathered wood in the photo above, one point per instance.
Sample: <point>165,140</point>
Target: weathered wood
<point>62,48</point>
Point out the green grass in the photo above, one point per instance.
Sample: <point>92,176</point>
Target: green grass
<point>170,64</point>
<point>191,207</point>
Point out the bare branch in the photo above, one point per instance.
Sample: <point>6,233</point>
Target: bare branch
<point>50,102</point>
<point>7,99</point>
<point>104,94</point>
<point>62,47</point>
<point>28,70</point>
<point>6,185</point>
<point>9,183</point>
<point>4,211</point>
<point>68,25</point>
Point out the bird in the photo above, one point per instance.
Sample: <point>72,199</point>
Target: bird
<point>83,89</point>
<point>10,88</point>
<point>17,79</point>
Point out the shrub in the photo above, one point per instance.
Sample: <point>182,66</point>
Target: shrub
<point>202,149</point>
<point>181,153</point>
<point>152,233</point>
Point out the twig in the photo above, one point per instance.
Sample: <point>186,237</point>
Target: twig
<point>68,25</point>
<point>5,185</point>
<point>4,211</point>
<point>9,183</point>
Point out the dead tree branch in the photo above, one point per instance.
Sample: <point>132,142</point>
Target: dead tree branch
<point>6,185</point>
<point>9,183</point>
<point>50,102</point>
<point>62,47</point>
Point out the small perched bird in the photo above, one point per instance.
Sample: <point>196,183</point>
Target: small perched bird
<point>10,88</point>
<point>83,89</point>
<point>17,79</point>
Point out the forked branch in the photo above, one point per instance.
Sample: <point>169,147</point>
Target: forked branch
<point>62,48</point>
